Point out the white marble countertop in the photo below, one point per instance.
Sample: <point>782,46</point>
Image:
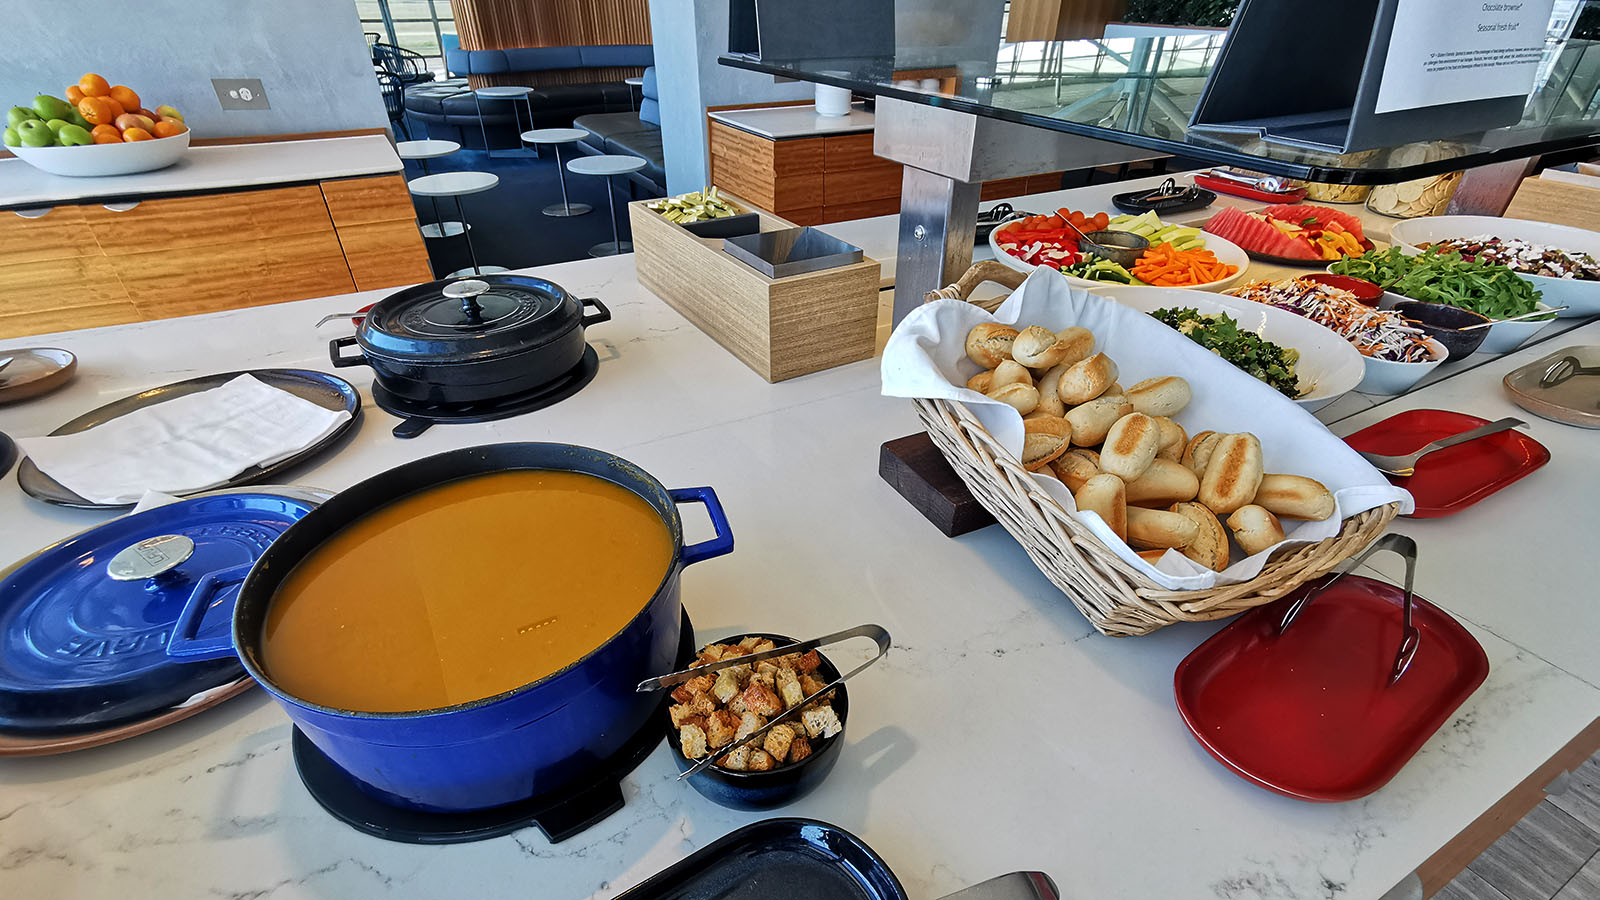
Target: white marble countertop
<point>782,122</point>
<point>214,168</point>
<point>1000,733</point>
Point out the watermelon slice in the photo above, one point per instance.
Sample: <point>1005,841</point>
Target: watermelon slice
<point>1299,212</point>
<point>1256,235</point>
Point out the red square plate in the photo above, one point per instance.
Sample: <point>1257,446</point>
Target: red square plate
<point>1452,479</point>
<point>1310,713</point>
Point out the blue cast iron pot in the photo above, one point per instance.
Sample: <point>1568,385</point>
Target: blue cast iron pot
<point>525,742</point>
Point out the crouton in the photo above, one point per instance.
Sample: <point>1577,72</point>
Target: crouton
<point>778,740</point>
<point>697,721</point>
<point>811,684</point>
<point>734,652</point>
<point>767,677</point>
<point>763,645</point>
<point>703,704</point>
<point>680,713</point>
<point>720,727</point>
<point>808,661</point>
<point>710,654</point>
<point>789,689</point>
<point>700,684</point>
<point>727,685</point>
<point>748,725</point>
<point>693,741</point>
<point>821,721</point>
<point>682,694</point>
<point>760,761</point>
<point>737,759</point>
<point>737,706</point>
<point>799,748</point>
<point>750,643</point>
<point>762,699</point>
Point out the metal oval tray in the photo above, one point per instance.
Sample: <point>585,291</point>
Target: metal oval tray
<point>1572,402</point>
<point>327,391</point>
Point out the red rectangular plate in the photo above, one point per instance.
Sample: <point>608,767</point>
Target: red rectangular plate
<point>1310,713</point>
<point>1452,479</point>
<point>1224,186</point>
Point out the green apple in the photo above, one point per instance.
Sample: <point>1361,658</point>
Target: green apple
<point>49,107</point>
<point>71,135</point>
<point>77,118</point>
<point>35,133</point>
<point>16,115</point>
<point>12,138</point>
<point>57,124</point>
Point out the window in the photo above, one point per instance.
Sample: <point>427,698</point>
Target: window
<point>416,25</point>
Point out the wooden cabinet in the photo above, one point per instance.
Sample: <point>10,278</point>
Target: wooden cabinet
<point>83,266</point>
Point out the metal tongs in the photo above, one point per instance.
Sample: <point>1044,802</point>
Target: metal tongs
<point>1272,184</point>
<point>1168,190</point>
<point>1564,369</point>
<point>1409,635</point>
<point>662,682</point>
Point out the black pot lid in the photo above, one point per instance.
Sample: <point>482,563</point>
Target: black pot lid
<point>468,319</point>
<point>84,624</point>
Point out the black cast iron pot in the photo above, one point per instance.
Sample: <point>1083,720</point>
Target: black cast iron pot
<point>471,340</point>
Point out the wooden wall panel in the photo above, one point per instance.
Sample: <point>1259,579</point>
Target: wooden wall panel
<point>59,233</point>
<point>359,201</point>
<point>502,24</point>
<point>207,219</point>
<point>385,254</point>
<point>58,284</point>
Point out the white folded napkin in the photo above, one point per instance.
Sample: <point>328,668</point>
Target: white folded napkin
<point>186,444</point>
<point>926,358</point>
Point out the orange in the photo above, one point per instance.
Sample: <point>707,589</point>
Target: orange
<point>74,94</point>
<point>99,110</point>
<point>137,134</point>
<point>106,134</point>
<point>119,110</point>
<point>125,95</point>
<point>167,129</point>
<point>93,85</point>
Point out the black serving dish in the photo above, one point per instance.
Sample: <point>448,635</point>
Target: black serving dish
<point>1444,324</point>
<point>725,227</point>
<point>1179,200</point>
<point>781,784</point>
<point>777,859</point>
<point>990,219</point>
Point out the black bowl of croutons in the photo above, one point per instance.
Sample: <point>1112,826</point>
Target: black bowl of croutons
<point>714,712</point>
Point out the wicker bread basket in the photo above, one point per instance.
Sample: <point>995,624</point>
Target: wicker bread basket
<point>1116,598</point>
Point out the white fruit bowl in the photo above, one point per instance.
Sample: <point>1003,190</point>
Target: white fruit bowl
<point>1582,298</point>
<point>93,160</point>
<point>1226,252</point>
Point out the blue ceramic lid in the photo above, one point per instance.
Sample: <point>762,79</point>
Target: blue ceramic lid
<point>84,624</point>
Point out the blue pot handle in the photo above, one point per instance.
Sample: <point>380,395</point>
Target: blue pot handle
<point>720,545</point>
<point>183,645</point>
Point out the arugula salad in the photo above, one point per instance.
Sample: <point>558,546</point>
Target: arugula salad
<point>1221,334</point>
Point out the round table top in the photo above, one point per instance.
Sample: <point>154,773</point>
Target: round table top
<point>452,184</point>
<point>554,135</point>
<point>425,149</point>
<point>605,165</point>
<point>634,80</point>
<point>504,91</point>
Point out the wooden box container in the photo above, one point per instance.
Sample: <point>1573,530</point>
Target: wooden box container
<point>783,327</point>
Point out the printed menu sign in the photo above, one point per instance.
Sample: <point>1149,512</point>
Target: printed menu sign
<point>1450,51</point>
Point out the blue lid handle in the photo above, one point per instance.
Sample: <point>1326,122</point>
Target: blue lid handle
<point>183,645</point>
<point>720,545</point>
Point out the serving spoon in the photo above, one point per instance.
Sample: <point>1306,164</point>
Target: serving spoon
<point>1534,314</point>
<point>1406,465</point>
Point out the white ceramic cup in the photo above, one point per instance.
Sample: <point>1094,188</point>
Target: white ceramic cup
<point>832,101</point>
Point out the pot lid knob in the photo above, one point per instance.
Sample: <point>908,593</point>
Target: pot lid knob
<point>150,557</point>
<point>467,290</point>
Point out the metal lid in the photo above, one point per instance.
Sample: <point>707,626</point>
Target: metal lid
<point>84,624</point>
<point>468,320</point>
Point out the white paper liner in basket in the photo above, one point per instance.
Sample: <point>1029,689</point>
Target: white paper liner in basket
<point>926,359</point>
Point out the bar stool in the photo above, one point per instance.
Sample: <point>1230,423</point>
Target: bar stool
<point>634,82</point>
<point>422,151</point>
<point>605,167</point>
<point>556,137</point>
<point>509,93</point>
<point>457,184</point>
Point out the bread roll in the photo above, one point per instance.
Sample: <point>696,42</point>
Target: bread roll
<point>1075,468</point>
<point>1164,396</point>
<point>1232,474</point>
<point>1021,397</point>
<point>1210,546</point>
<point>1197,452</point>
<point>1254,528</point>
<point>1049,398</point>
<point>1079,343</point>
<point>1130,446</point>
<point>1151,556</point>
<point>1295,496</point>
<point>1162,484</point>
<point>1043,439</point>
<point>1038,348</point>
<point>1104,496</point>
<point>1009,372</point>
<point>989,343</point>
<point>1086,380</point>
<point>1091,455</point>
<point>1173,439</point>
<point>1091,421</point>
<point>981,382</point>
<point>1152,529</point>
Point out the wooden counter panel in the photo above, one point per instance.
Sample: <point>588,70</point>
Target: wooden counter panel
<point>303,266</point>
<point>37,288</point>
<point>797,156</point>
<point>860,185</point>
<point>66,319</point>
<point>385,254</point>
<point>796,192</point>
<point>851,151</point>
<point>844,212</point>
<point>172,223</point>
<point>742,163</point>
<point>62,232</point>
<point>246,273</point>
<point>361,201</point>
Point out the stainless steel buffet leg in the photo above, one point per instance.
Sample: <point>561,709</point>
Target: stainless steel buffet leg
<point>938,221</point>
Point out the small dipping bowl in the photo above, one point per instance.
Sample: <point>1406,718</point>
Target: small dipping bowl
<point>1121,247</point>
<point>1367,292</point>
<point>1444,324</point>
<point>783,783</point>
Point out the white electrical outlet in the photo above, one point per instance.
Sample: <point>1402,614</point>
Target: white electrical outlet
<point>241,93</point>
